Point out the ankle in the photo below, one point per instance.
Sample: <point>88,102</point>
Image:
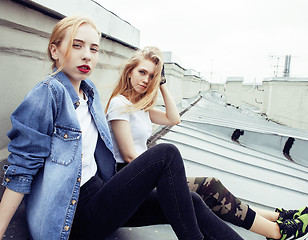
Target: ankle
<point>275,216</point>
<point>276,232</point>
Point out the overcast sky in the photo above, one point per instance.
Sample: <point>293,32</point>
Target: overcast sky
<point>223,37</point>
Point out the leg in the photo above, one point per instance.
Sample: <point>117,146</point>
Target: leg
<point>265,227</point>
<point>114,202</point>
<point>229,208</point>
<point>269,215</point>
<point>209,223</point>
<point>211,226</point>
<point>149,213</point>
<point>222,202</point>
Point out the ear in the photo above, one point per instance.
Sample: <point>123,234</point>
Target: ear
<point>53,52</point>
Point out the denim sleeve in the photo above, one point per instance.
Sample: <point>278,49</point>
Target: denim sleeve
<point>32,126</point>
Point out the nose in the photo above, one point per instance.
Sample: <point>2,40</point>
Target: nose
<point>86,56</point>
<point>146,79</point>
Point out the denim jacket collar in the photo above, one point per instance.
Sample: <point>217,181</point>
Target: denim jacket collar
<point>88,90</point>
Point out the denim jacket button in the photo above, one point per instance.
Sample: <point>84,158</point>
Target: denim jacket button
<point>66,228</point>
<point>81,155</point>
<point>79,179</point>
<point>7,180</point>
<point>65,136</point>
<point>74,202</point>
<point>77,104</point>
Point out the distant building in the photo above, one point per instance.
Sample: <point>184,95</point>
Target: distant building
<point>233,91</point>
<point>285,101</point>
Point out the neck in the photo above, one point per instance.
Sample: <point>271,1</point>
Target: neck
<point>134,97</point>
<point>77,88</point>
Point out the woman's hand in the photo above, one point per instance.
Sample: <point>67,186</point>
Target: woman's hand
<point>163,78</point>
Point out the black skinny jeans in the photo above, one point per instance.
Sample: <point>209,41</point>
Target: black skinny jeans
<point>150,190</point>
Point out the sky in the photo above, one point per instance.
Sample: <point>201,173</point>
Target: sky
<point>223,38</point>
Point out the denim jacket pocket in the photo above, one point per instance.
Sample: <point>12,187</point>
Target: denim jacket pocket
<point>64,144</point>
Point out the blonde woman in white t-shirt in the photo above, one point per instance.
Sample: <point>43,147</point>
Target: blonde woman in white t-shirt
<point>130,114</point>
<point>131,109</point>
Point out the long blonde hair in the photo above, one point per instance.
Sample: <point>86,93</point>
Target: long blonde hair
<point>148,99</point>
<point>58,35</point>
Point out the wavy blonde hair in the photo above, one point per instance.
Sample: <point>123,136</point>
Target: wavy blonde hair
<point>148,99</point>
<point>58,35</point>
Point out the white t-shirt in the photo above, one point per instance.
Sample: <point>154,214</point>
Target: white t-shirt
<point>89,140</point>
<point>139,121</point>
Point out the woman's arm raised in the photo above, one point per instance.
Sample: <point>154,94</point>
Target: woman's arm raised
<point>171,115</point>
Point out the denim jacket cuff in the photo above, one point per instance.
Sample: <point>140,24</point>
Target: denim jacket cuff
<point>17,183</point>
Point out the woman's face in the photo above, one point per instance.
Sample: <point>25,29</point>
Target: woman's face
<point>142,75</point>
<point>83,56</point>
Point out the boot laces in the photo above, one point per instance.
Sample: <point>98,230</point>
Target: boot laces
<point>292,224</point>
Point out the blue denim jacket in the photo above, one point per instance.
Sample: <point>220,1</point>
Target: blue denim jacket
<point>46,154</point>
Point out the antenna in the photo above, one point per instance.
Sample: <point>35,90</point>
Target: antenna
<point>211,74</point>
<point>286,72</point>
<point>277,71</point>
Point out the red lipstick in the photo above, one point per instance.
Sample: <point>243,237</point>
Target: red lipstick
<point>84,68</point>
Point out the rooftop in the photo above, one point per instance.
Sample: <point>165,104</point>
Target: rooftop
<point>255,166</point>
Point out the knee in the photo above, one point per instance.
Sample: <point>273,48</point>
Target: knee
<point>167,147</point>
<point>169,150</point>
<point>196,198</point>
<point>214,183</point>
<point>168,154</point>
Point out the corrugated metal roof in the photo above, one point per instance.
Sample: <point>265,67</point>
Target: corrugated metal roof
<point>254,168</point>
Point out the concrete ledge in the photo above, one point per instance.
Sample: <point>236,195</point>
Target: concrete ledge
<point>108,23</point>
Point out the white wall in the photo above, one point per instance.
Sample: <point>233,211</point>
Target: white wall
<point>191,83</point>
<point>205,85</point>
<point>218,87</point>
<point>233,93</point>
<point>285,101</point>
<point>253,95</point>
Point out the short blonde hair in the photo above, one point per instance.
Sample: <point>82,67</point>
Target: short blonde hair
<point>124,87</point>
<point>58,33</point>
